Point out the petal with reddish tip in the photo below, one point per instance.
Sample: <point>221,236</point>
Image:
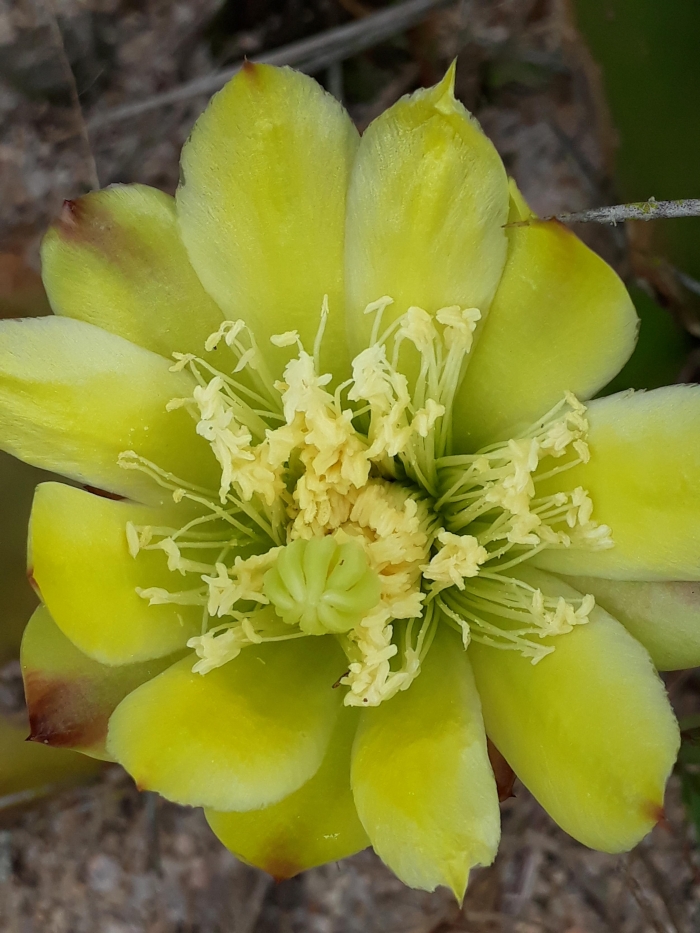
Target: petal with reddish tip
<point>423,785</point>
<point>73,397</point>
<point>69,696</point>
<point>561,320</point>
<point>644,480</point>
<point>87,578</point>
<point>664,617</point>
<point>115,258</point>
<point>28,771</point>
<point>588,730</point>
<point>316,824</point>
<point>241,737</point>
<point>262,206</point>
<point>427,202</point>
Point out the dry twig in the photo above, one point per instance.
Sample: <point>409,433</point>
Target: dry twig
<point>639,210</point>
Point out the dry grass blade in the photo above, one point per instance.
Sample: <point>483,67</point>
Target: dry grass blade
<point>644,902</point>
<point>661,886</point>
<point>309,55</point>
<point>91,168</point>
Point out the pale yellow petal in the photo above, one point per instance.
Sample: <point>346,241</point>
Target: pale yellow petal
<point>81,565</point>
<point>241,737</point>
<point>115,258</point>
<point>589,729</point>
<point>664,617</point>
<point>561,320</point>
<point>73,397</point>
<point>644,480</point>
<point>427,203</point>
<point>423,785</point>
<point>262,206</point>
<point>317,823</point>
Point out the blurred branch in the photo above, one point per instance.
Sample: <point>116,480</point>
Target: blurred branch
<point>309,55</point>
<point>640,210</point>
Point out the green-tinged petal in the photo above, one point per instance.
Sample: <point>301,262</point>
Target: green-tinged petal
<point>262,205</point>
<point>664,617</point>
<point>28,771</point>
<point>317,823</point>
<point>423,785</point>
<point>427,202</point>
<point>73,397</point>
<point>644,480</point>
<point>588,730</point>
<point>560,320</point>
<point>238,738</point>
<point>115,258</point>
<point>82,567</point>
<point>69,696</point>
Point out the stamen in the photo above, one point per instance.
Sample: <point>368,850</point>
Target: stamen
<point>358,523</point>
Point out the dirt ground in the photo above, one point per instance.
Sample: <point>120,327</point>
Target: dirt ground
<point>103,858</point>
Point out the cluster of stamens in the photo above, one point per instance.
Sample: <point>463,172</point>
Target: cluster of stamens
<point>345,513</point>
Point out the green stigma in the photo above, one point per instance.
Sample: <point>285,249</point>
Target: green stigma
<point>322,586</point>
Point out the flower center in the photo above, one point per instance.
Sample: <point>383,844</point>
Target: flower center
<point>344,513</point>
<point>322,586</point>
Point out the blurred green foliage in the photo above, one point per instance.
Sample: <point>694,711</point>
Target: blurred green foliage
<point>17,482</point>
<point>661,349</point>
<point>648,55</point>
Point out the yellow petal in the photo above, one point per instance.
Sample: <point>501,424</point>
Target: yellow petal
<point>317,823</point>
<point>70,697</point>
<point>588,730</point>
<point>262,205</point>
<point>28,771</point>
<point>115,258</point>
<point>82,567</point>
<point>560,320</point>
<point>644,480</point>
<point>240,737</point>
<point>423,785</point>
<point>427,202</point>
<point>73,397</point>
<point>664,617</point>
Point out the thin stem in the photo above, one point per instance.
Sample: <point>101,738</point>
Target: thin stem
<point>617,213</point>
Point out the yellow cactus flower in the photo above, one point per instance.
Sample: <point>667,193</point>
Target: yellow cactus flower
<point>346,512</point>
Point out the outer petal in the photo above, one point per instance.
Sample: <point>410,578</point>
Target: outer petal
<point>560,320</point>
<point>589,730</point>
<point>70,697</point>
<point>82,567</point>
<point>262,205</point>
<point>427,203</point>
<point>644,480</point>
<point>73,397</point>
<point>240,737</point>
<point>423,785</point>
<point>28,771</point>
<point>664,617</point>
<point>317,823</point>
<point>115,258</point>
